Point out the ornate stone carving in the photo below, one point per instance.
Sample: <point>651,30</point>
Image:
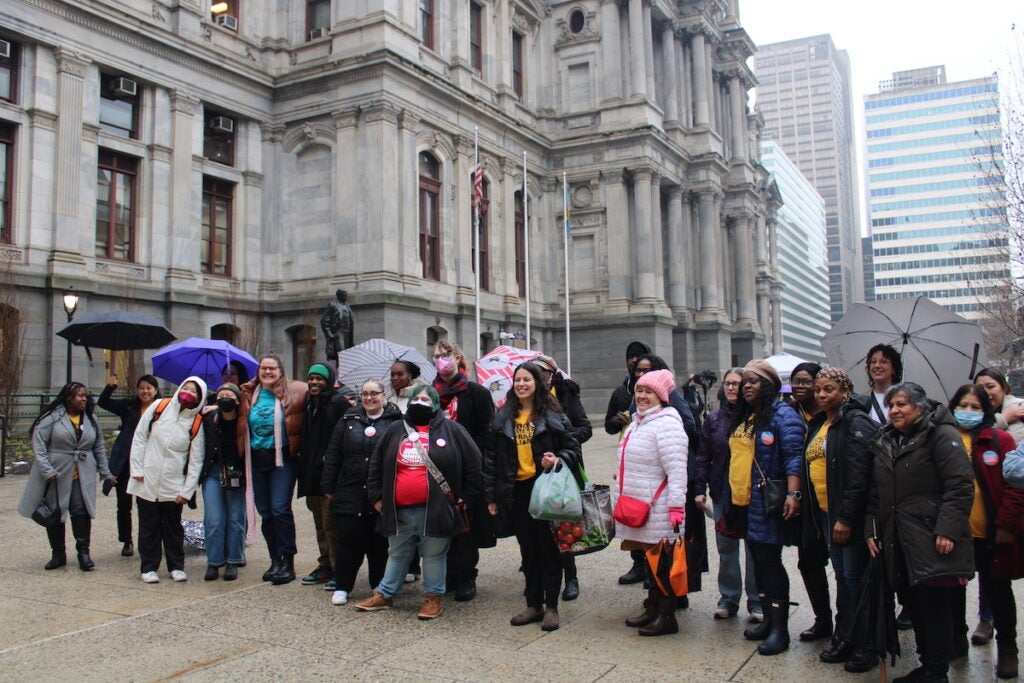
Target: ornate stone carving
<point>582,196</point>
<point>42,119</point>
<point>272,133</point>
<point>71,62</point>
<point>206,32</point>
<point>293,58</point>
<point>250,54</point>
<point>184,101</point>
<point>157,14</point>
<point>588,32</point>
<point>345,118</point>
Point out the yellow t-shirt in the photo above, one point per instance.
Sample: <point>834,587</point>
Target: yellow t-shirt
<point>741,460</point>
<point>524,447</point>
<point>816,466</point>
<point>77,422</point>
<point>978,519</point>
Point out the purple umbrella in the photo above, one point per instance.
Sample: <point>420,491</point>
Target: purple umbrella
<point>204,358</point>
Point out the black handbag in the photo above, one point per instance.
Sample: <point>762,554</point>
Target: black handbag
<point>773,490</point>
<point>47,514</point>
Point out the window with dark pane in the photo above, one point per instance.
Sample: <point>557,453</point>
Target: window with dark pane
<point>427,23</point>
<point>7,132</point>
<point>218,196</point>
<point>119,105</point>
<point>219,137</point>
<point>116,183</point>
<point>430,215</point>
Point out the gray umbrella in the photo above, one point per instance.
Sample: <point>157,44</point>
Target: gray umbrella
<point>940,350</point>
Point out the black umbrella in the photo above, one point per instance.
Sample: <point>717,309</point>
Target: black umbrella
<point>872,623</point>
<point>116,330</point>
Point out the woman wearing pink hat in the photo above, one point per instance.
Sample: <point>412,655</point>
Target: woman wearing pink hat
<point>652,471</point>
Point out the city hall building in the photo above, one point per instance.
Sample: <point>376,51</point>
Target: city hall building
<point>227,165</point>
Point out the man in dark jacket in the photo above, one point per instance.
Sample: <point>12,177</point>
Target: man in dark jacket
<point>471,406</point>
<point>324,408</point>
<point>567,392</point>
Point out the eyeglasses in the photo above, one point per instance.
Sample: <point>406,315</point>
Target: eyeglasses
<point>370,394</point>
<point>443,354</point>
<point>731,385</point>
<point>802,383</point>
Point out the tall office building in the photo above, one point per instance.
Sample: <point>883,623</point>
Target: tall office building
<point>803,266</point>
<point>804,94</point>
<point>867,257</point>
<point>936,199</point>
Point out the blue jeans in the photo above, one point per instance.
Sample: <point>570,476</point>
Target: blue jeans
<point>849,561</point>
<point>730,580</point>
<point>223,522</point>
<point>401,547</point>
<point>273,490</point>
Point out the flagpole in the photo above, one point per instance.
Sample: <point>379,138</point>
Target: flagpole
<point>565,214</point>
<point>476,235</point>
<point>526,251</point>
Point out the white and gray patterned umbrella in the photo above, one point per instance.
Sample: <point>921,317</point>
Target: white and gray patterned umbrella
<point>373,360</point>
<point>940,350</point>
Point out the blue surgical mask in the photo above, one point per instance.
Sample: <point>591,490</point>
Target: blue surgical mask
<point>968,419</point>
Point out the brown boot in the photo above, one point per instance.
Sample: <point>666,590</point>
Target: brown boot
<point>431,607</point>
<point>650,612</point>
<point>665,622</point>
<point>550,619</point>
<point>1006,659</point>
<point>374,602</point>
<point>530,615</point>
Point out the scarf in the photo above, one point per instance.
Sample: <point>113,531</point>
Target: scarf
<point>450,389</point>
<point>250,498</point>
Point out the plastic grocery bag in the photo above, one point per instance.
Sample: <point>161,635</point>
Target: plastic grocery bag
<point>594,530</point>
<point>556,495</point>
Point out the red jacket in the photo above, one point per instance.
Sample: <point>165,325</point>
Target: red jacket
<point>1004,505</point>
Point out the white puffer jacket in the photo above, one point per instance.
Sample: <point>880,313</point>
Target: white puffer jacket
<point>656,447</point>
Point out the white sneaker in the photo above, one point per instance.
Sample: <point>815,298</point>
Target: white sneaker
<point>179,575</point>
<point>410,578</point>
<point>339,597</point>
<point>756,617</point>
<point>150,577</point>
<point>722,613</point>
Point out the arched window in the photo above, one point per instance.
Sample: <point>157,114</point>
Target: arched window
<point>225,332</point>
<point>485,205</point>
<point>303,349</point>
<point>435,334</point>
<point>430,216</point>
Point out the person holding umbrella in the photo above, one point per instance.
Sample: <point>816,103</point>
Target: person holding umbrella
<point>997,520</point>
<point>919,506</point>
<point>269,435</point>
<point>766,446</point>
<point>147,390</point>
<point>885,368</point>
<point>69,453</point>
<point>653,457</point>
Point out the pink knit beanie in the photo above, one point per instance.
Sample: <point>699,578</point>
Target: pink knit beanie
<point>661,382</point>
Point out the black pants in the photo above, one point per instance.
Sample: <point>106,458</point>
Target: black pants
<point>356,539</point>
<point>569,566</point>
<point>124,507</point>
<point>542,563</point>
<point>999,592</point>
<point>160,523</point>
<point>812,561</point>
<point>463,557</point>
<point>931,612</point>
<point>769,572</point>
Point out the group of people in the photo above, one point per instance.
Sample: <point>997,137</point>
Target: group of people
<point>415,478</point>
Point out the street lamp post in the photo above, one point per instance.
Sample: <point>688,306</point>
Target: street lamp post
<point>70,306</point>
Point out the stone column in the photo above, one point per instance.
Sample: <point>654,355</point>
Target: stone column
<point>620,274</point>
<point>710,241</point>
<point>685,73</point>
<point>668,46</point>
<point>610,50</point>
<point>644,229</point>
<point>776,300</point>
<point>649,53</point>
<point>701,107</point>
<point>347,194</point>
<point>183,256</point>
<point>68,228</point>
<point>745,277</point>
<point>677,251</point>
<point>407,185</point>
<point>637,59</point>
<point>657,239</point>
<point>738,110</point>
<point>271,135</point>
<point>380,233</point>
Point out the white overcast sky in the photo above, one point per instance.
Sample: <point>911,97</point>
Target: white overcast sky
<point>972,39</point>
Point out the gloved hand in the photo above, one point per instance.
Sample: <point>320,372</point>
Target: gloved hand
<point>677,516</point>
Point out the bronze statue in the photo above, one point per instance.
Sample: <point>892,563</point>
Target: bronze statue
<point>336,322</point>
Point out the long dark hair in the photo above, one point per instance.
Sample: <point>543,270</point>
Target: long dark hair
<point>761,411</point>
<point>151,381</point>
<point>657,363</point>
<point>65,395</point>
<point>543,401</point>
<point>982,396</point>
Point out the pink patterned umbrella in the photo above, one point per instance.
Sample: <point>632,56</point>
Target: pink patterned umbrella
<point>494,370</point>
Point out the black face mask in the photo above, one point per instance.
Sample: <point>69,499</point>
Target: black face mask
<point>227,405</point>
<point>419,414</point>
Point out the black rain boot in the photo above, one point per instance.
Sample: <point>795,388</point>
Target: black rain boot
<point>778,638</point>
<point>1006,658</point>
<point>817,592</point>
<point>637,572</point>
<point>760,632</point>
<point>81,529</point>
<point>59,554</point>
<point>275,566</point>
<point>665,623</point>
<point>650,612</point>
<point>286,574</point>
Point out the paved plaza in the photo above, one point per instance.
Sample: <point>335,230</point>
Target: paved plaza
<point>108,625</point>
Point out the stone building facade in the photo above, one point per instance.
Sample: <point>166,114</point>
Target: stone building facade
<point>226,166</point>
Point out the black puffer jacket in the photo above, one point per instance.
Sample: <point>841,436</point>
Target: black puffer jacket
<point>128,409</point>
<point>452,450</point>
<point>347,458</point>
<point>214,456</point>
<point>848,473</point>
<point>322,414</point>
<point>922,487</point>
<point>568,394</point>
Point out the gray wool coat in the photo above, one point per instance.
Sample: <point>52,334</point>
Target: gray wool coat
<point>56,452</point>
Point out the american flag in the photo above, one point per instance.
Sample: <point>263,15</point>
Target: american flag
<point>478,185</point>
